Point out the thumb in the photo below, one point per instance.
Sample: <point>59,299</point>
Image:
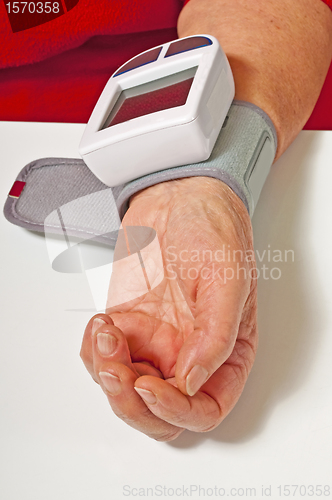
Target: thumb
<point>219,308</point>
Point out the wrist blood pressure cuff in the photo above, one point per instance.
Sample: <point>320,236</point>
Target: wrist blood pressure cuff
<point>57,194</point>
<point>242,158</point>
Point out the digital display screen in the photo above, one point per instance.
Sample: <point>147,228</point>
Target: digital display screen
<point>165,93</point>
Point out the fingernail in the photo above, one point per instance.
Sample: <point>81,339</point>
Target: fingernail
<point>97,323</point>
<point>147,396</point>
<point>111,382</point>
<point>195,379</point>
<point>106,344</point>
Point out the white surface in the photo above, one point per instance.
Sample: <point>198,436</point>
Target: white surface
<point>142,146</point>
<point>60,440</point>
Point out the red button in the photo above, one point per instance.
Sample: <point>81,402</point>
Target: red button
<point>141,60</point>
<point>185,44</point>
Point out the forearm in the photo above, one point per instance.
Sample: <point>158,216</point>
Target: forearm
<point>279,52</point>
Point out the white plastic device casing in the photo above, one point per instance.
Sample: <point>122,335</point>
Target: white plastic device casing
<point>172,137</point>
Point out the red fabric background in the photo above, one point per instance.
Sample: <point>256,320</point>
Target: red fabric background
<point>63,85</point>
<point>328,2</point>
<point>88,18</point>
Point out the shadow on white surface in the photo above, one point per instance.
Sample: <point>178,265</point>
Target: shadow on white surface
<point>290,316</point>
<point>59,437</point>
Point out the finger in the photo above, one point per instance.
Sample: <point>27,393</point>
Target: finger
<point>117,378</point>
<point>144,368</point>
<point>86,348</point>
<point>116,375</point>
<point>217,397</point>
<point>219,307</point>
<point>117,381</point>
<point>109,344</point>
<point>199,413</point>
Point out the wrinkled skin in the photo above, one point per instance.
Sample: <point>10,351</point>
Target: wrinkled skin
<point>197,315</point>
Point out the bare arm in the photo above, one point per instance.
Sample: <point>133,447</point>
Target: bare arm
<point>279,51</point>
<point>181,361</point>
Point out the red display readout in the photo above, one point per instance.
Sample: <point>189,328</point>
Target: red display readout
<point>168,97</point>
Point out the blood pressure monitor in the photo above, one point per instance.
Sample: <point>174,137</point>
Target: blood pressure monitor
<point>161,109</point>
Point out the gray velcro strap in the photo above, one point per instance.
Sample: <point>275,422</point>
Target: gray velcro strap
<point>62,194</point>
<point>242,158</point>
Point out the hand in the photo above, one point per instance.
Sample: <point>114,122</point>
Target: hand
<point>178,356</point>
